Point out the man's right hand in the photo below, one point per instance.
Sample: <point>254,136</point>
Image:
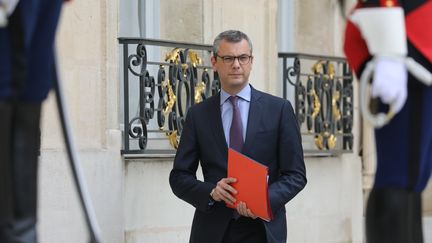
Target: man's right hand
<point>223,191</point>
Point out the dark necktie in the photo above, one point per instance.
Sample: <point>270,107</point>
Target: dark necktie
<point>236,130</point>
<point>236,134</point>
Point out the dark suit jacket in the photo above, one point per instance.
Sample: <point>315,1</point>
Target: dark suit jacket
<point>272,138</point>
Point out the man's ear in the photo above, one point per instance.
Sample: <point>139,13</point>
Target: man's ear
<point>213,62</point>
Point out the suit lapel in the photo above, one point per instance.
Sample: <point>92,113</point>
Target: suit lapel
<point>254,119</point>
<point>218,132</point>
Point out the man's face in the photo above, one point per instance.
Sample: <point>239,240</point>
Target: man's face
<point>233,72</point>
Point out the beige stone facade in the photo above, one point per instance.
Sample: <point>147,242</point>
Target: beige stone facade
<point>133,201</point>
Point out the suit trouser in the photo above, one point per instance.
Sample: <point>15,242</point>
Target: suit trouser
<point>245,230</point>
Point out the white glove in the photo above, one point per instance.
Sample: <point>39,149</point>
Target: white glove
<point>6,9</point>
<point>3,17</point>
<point>9,5</point>
<point>390,82</point>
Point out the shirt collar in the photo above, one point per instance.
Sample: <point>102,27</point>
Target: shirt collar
<point>245,94</point>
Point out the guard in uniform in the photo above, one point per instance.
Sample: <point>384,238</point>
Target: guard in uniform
<point>389,31</point>
<point>27,32</point>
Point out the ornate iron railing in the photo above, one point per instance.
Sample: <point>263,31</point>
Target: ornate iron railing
<point>182,80</point>
<point>155,106</point>
<point>323,100</point>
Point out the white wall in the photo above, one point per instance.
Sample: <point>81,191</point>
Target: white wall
<point>257,18</point>
<point>60,214</point>
<point>330,207</point>
<point>87,50</point>
<point>152,212</point>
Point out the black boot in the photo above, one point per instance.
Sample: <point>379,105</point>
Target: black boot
<point>26,144</point>
<point>6,196</point>
<point>416,233</point>
<point>387,216</point>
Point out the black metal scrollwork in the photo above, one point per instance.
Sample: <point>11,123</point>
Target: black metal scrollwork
<point>139,132</point>
<point>163,97</point>
<point>293,72</point>
<point>147,92</point>
<point>146,103</point>
<point>347,111</point>
<point>215,85</point>
<point>323,98</point>
<point>293,77</point>
<point>324,123</point>
<point>300,104</point>
<point>314,105</point>
<point>138,60</point>
<point>180,83</point>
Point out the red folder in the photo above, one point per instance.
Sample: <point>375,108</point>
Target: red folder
<point>251,184</point>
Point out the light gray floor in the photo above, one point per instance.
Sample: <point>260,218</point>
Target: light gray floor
<point>427,229</point>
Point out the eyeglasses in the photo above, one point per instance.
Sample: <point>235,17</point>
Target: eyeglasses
<point>242,59</point>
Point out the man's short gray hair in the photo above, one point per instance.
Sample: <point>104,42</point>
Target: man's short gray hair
<point>233,36</point>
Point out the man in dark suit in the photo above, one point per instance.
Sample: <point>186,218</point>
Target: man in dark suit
<point>261,126</point>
